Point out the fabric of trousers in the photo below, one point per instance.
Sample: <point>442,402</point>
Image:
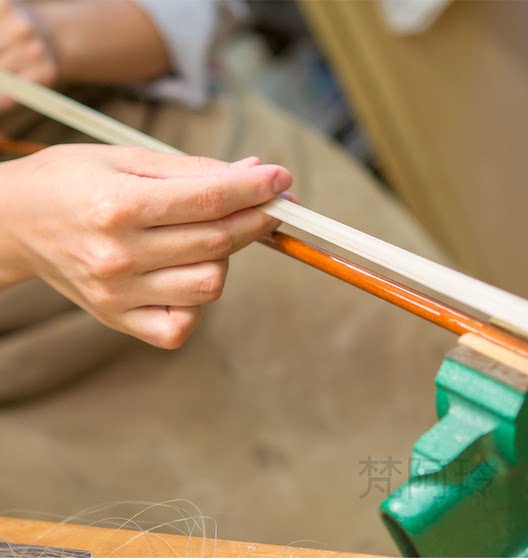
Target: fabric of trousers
<point>289,414</point>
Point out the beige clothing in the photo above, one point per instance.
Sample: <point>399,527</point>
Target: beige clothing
<point>263,417</point>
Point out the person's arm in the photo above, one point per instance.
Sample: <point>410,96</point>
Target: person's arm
<point>80,41</point>
<point>137,238</point>
<point>103,41</point>
<point>161,48</point>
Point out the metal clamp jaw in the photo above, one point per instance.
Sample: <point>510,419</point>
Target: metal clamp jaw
<point>467,493</point>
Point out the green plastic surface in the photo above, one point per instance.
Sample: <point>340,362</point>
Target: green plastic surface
<point>467,493</point>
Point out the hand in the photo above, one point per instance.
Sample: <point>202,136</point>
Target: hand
<point>23,51</point>
<point>138,238</point>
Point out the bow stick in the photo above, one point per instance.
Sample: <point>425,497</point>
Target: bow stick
<point>371,282</point>
<point>508,308</point>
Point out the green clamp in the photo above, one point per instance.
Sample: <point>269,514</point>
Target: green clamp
<point>467,493</point>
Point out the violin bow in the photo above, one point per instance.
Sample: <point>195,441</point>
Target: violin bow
<point>507,308</point>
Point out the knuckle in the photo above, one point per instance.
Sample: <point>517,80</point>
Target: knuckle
<point>211,284</point>
<point>172,339</point>
<point>175,335</point>
<point>220,243</point>
<point>211,200</point>
<point>109,213</point>
<point>109,261</point>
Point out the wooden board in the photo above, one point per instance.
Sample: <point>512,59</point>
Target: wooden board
<point>106,542</point>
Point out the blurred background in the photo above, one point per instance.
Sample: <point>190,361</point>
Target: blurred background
<point>428,95</point>
<point>277,55</point>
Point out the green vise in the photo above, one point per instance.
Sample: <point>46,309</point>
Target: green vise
<point>467,493</point>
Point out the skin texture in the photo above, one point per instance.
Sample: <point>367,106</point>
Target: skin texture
<point>45,43</point>
<point>139,239</point>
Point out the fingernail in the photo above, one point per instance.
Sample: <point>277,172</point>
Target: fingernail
<point>246,162</point>
<point>289,196</point>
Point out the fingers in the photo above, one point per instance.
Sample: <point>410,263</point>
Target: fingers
<point>193,243</point>
<point>141,254</point>
<point>182,286</point>
<point>209,197</point>
<point>166,328</point>
<point>252,161</point>
<point>159,165</point>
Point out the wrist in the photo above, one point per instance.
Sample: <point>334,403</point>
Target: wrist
<point>14,267</point>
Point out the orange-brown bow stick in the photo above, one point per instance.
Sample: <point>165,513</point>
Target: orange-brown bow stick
<point>398,294</point>
<point>376,284</point>
<point>19,147</point>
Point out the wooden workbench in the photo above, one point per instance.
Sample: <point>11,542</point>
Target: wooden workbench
<point>113,542</point>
